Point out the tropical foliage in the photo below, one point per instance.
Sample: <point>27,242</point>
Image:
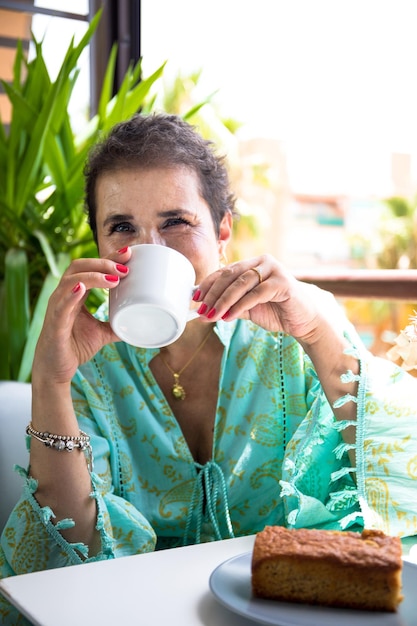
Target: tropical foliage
<point>42,221</point>
<point>398,234</point>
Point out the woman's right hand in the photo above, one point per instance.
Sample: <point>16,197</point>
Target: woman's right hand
<point>71,335</point>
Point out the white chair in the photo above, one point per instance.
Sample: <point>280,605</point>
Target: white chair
<point>15,412</point>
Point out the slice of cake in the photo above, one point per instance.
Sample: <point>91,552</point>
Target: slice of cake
<point>331,568</point>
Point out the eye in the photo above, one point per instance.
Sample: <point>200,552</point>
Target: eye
<point>176,221</point>
<point>121,227</point>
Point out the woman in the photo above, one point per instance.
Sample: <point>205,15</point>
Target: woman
<point>280,416</point>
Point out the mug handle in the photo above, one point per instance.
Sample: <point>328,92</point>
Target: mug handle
<point>192,315</point>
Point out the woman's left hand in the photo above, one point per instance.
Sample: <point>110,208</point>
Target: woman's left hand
<point>262,290</point>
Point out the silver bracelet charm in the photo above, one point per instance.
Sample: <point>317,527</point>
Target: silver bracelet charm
<point>64,442</point>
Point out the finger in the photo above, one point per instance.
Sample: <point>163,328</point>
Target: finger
<point>67,310</point>
<point>235,284</point>
<point>99,264</point>
<point>64,305</point>
<point>98,273</point>
<point>218,281</point>
<point>124,254</point>
<point>258,271</point>
<point>80,277</point>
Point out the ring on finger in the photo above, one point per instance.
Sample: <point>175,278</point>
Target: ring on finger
<point>258,271</point>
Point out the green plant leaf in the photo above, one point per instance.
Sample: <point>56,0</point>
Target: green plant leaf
<point>49,115</point>
<point>195,109</point>
<point>19,61</point>
<point>126,104</point>
<point>4,336</point>
<point>107,88</point>
<point>49,285</point>
<point>17,305</point>
<point>49,255</point>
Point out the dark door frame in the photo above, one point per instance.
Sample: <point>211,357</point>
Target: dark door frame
<point>120,23</point>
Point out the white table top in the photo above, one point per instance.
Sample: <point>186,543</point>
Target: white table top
<point>168,587</point>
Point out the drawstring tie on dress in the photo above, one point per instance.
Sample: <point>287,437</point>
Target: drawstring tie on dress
<point>209,493</point>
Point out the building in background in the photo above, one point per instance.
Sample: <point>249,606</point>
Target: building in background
<point>14,27</point>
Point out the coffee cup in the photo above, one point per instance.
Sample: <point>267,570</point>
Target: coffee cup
<point>151,306</point>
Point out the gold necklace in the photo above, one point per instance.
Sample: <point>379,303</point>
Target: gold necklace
<point>178,390</point>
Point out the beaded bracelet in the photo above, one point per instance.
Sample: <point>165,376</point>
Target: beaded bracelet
<point>64,442</point>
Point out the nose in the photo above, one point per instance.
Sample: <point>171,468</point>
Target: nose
<point>152,236</point>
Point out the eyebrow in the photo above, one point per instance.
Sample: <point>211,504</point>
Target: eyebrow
<point>124,217</point>
<point>176,213</point>
<point>117,217</point>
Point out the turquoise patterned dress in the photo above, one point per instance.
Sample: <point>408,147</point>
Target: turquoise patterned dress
<point>278,455</point>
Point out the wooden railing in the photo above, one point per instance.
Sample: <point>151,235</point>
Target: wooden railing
<point>370,284</point>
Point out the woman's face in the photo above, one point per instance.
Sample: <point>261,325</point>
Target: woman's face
<point>162,206</point>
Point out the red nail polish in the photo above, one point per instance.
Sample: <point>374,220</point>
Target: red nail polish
<point>122,268</point>
<point>211,313</point>
<point>196,296</point>
<point>123,250</point>
<point>110,278</point>
<point>226,315</point>
<point>202,309</point>
<point>76,288</point>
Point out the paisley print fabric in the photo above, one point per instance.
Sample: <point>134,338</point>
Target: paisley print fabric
<point>278,454</point>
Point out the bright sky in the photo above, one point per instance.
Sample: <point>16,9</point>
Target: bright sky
<point>335,80</point>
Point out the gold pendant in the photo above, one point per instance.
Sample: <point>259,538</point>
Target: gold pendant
<point>178,390</point>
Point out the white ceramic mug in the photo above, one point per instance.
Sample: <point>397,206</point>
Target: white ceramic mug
<point>151,306</point>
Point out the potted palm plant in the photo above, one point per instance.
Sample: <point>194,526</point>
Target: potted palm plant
<point>42,220</point>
